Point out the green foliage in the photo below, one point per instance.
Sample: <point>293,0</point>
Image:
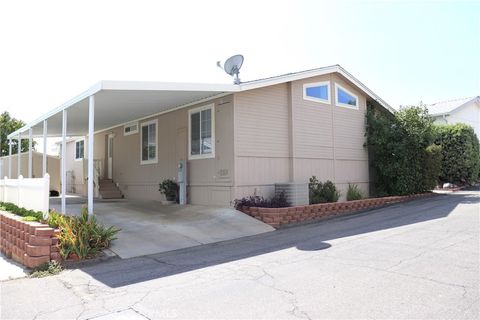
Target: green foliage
<point>83,235</point>
<point>354,192</point>
<point>433,166</point>
<point>169,188</point>
<point>7,126</point>
<point>322,192</point>
<point>47,269</point>
<point>461,154</point>
<point>29,218</point>
<point>279,200</point>
<point>398,148</point>
<point>31,214</point>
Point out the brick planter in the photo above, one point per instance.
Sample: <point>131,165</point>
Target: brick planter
<point>28,243</point>
<point>277,217</point>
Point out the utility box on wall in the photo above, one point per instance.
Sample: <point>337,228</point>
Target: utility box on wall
<point>182,181</point>
<point>296,193</point>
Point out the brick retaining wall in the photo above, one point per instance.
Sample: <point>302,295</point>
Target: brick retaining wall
<point>277,217</point>
<point>28,243</point>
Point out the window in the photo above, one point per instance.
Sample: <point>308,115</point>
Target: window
<point>79,149</point>
<point>318,92</point>
<point>201,132</point>
<point>345,98</point>
<point>130,128</point>
<point>148,142</point>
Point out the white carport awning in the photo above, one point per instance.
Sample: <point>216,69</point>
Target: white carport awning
<point>118,102</point>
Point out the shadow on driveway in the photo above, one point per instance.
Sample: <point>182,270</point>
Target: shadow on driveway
<point>309,237</point>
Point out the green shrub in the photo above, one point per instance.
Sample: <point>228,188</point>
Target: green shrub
<point>433,166</point>
<point>354,192</point>
<point>10,207</point>
<point>169,188</point>
<point>322,192</point>
<point>30,218</point>
<point>402,160</point>
<point>460,153</point>
<point>279,200</point>
<point>83,235</point>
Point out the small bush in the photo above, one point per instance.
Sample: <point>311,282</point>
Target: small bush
<point>354,192</point>
<point>277,201</point>
<point>83,235</point>
<point>169,188</point>
<point>322,192</point>
<point>46,269</point>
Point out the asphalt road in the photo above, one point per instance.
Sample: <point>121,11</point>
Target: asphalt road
<point>411,260</point>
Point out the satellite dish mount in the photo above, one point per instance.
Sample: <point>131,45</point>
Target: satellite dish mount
<point>232,67</point>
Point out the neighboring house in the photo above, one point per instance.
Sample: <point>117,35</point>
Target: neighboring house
<point>53,167</point>
<point>238,140</point>
<point>466,110</point>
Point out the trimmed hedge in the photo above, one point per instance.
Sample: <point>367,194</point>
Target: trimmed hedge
<point>460,151</point>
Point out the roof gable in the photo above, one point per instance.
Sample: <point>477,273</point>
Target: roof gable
<point>451,106</point>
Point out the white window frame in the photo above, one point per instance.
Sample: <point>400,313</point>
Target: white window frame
<point>130,124</point>
<point>145,124</point>
<point>75,150</point>
<point>317,84</point>
<point>345,105</point>
<point>196,110</point>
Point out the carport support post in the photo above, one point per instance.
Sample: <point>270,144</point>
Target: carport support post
<point>30,160</point>
<point>19,156</point>
<point>63,172</point>
<point>10,158</point>
<point>91,122</point>
<point>44,157</point>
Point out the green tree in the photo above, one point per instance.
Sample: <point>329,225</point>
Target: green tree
<point>7,126</point>
<point>403,160</point>
<point>460,151</point>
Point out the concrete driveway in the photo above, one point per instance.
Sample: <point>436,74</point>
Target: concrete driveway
<point>415,260</point>
<point>149,227</point>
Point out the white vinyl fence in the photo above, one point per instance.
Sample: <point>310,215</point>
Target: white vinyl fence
<point>31,194</point>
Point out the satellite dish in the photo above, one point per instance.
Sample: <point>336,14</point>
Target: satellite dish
<point>232,66</point>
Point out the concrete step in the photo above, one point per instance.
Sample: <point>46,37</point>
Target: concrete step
<point>109,190</point>
<point>110,187</point>
<point>111,195</point>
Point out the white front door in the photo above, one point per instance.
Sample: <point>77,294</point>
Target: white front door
<point>110,157</point>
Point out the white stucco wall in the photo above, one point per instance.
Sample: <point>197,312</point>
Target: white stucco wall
<point>469,114</point>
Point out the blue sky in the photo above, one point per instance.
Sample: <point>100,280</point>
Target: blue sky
<point>404,51</point>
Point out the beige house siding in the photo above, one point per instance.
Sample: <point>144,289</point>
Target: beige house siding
<point>210,180</point>
<point>261,139</point>
<point>53,167</point>
<point>322,139</point>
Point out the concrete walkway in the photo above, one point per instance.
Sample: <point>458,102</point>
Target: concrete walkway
<point>414,260</point>
<point>9,269</point>
<point>149,227</point>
